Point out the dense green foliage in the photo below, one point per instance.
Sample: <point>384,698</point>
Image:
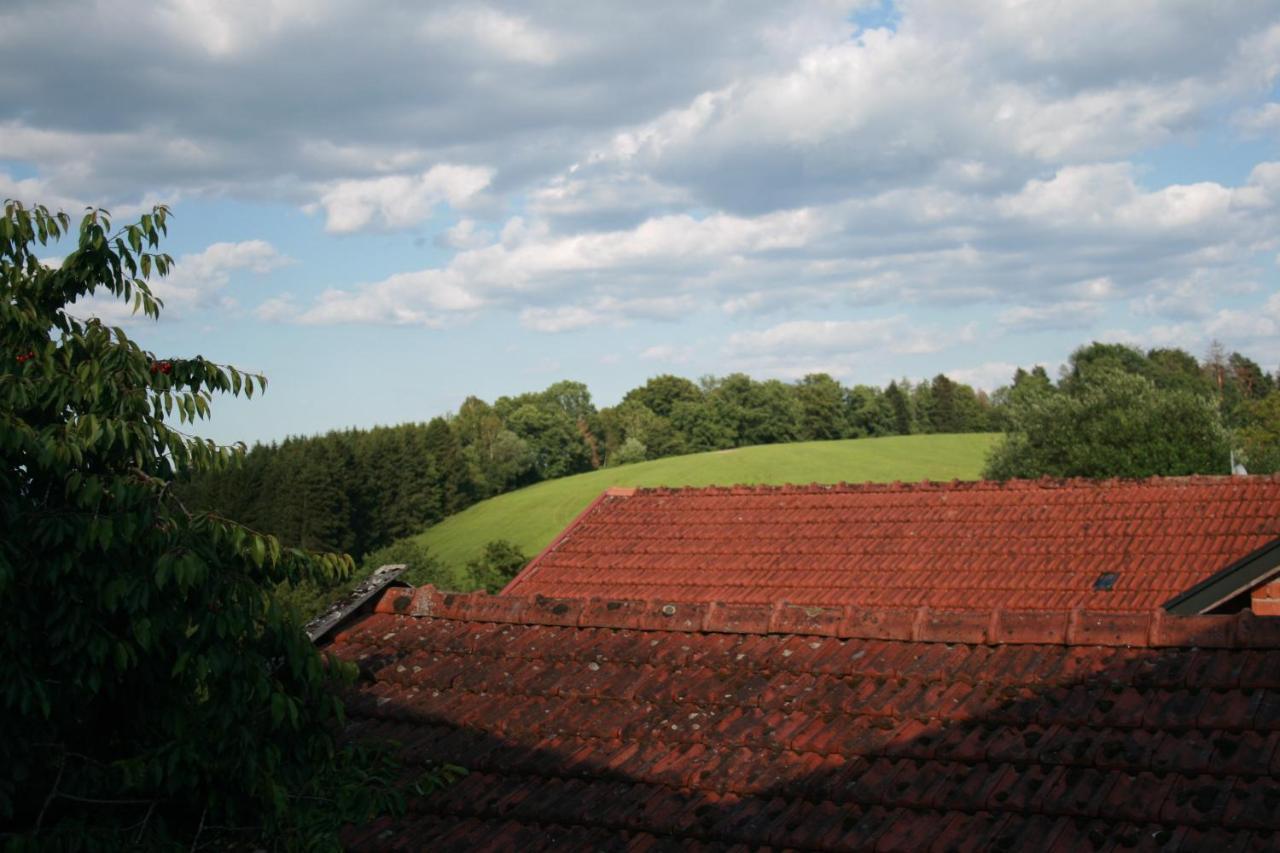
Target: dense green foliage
<point>396,482</point>
<point>532,516</point>
<point>153,693</point>
<point>498,563</point>
<point>361,490</point>
<point>1119,412</point>
<point>1115,425</point>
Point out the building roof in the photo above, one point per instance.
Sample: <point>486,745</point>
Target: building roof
<point>1124,546</point>
<point>656,724</point>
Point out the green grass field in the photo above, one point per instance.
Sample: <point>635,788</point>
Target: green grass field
<point>532,517</point>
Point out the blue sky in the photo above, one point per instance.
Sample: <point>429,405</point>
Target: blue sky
<point>386,209</point>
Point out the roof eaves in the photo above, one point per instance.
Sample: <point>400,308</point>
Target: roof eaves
<point>346,608</point>
<point>1240,577</point>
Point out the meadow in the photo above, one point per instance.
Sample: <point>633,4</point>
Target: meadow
<point>531,517</point>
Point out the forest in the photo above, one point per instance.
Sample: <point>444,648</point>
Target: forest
<point>1114,411</point>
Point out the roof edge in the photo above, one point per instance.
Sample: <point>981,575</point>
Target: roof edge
<point>531,568</point>
<point>1250,571</point>
<point>1045,483</point>
<point>1154,629</point>
<point>350,604</point>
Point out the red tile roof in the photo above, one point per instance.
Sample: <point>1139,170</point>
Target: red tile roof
<point>645,725</point>
<point>1031,545</point>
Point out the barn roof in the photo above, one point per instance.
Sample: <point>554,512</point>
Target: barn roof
<point>654,724</point>
<point>1123,546</point>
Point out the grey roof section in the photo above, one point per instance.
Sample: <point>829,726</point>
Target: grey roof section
<point>1240,577</point>
<point>353,602</point>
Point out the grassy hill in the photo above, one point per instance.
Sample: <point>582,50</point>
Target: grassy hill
<point>532,517</point>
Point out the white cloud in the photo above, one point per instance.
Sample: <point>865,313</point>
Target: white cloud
<point>667,353</point>
<point>223,28</point>
<point>277,309</point>
<point>764,163</point>
<point>415,298</point>
<point>466,234</point>
<point>500,35</point>
<point>896,334</point>
<point>1259,120</point>
<point>987,376</point>
<point>1062,315</point>
<point>1053,254</point>
<point>529,262</point>
<point>198,282</point>
<point>399,201</point>
<point>562,319</point>
<point>604,311</point>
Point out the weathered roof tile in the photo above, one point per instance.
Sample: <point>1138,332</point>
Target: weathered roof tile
<point>1116,546</point>
<point>583,735</point>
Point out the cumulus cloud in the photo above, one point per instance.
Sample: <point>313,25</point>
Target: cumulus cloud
<point>1259,120</point>
<point>399,201</point>
<point>604,311</point>
<point>531,263</point>
<point>667,353</point>
<point>765,162</point>
<point>823,337</point>
<point>281,100</point>
<point>843,348</point>
<point>1052,253</point>
<point>198,282</point>
<point>503,36</point>
<point>1062,315</point>
<point>465,234</point>
<point>989,375</point>
<point>978,96</point>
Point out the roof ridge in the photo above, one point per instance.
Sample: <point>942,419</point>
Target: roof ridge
<point>952,485</point>
<point>979,626</point>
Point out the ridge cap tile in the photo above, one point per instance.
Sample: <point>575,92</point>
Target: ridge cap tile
<point>975,626</point>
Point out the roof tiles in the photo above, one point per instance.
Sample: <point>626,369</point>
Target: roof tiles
<point>1023,545</point>
<point>632,728</point>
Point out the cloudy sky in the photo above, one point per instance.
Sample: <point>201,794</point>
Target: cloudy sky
<point>387,206</point>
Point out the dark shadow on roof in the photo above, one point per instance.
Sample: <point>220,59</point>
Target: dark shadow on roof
<point>621,739</point>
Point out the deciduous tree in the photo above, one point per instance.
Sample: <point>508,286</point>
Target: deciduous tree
<point>151,687</point>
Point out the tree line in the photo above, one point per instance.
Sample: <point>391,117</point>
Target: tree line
<point>1115,410</point>
<point>358,490</point>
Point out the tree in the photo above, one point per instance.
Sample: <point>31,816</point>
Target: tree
<point>1097,357</point>
<point>150,684</point>
<point>632,419</point>
<point>631,451</point>
<point>821,402</point>
<point>497,458</point>
<point>661,394</point>
<point>1111,424</point>
<point>1177,369</point>
<point>700,427</point>
<point>554,439</point>
<point>867,412</point>
<point>899,404</point>
<point>1260,437</point>
<point>756,412</point>
<point>943,412</point>
<point>456,492</point>
<point>500,562</point>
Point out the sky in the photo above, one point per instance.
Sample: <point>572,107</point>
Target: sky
<point>386,207</point>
